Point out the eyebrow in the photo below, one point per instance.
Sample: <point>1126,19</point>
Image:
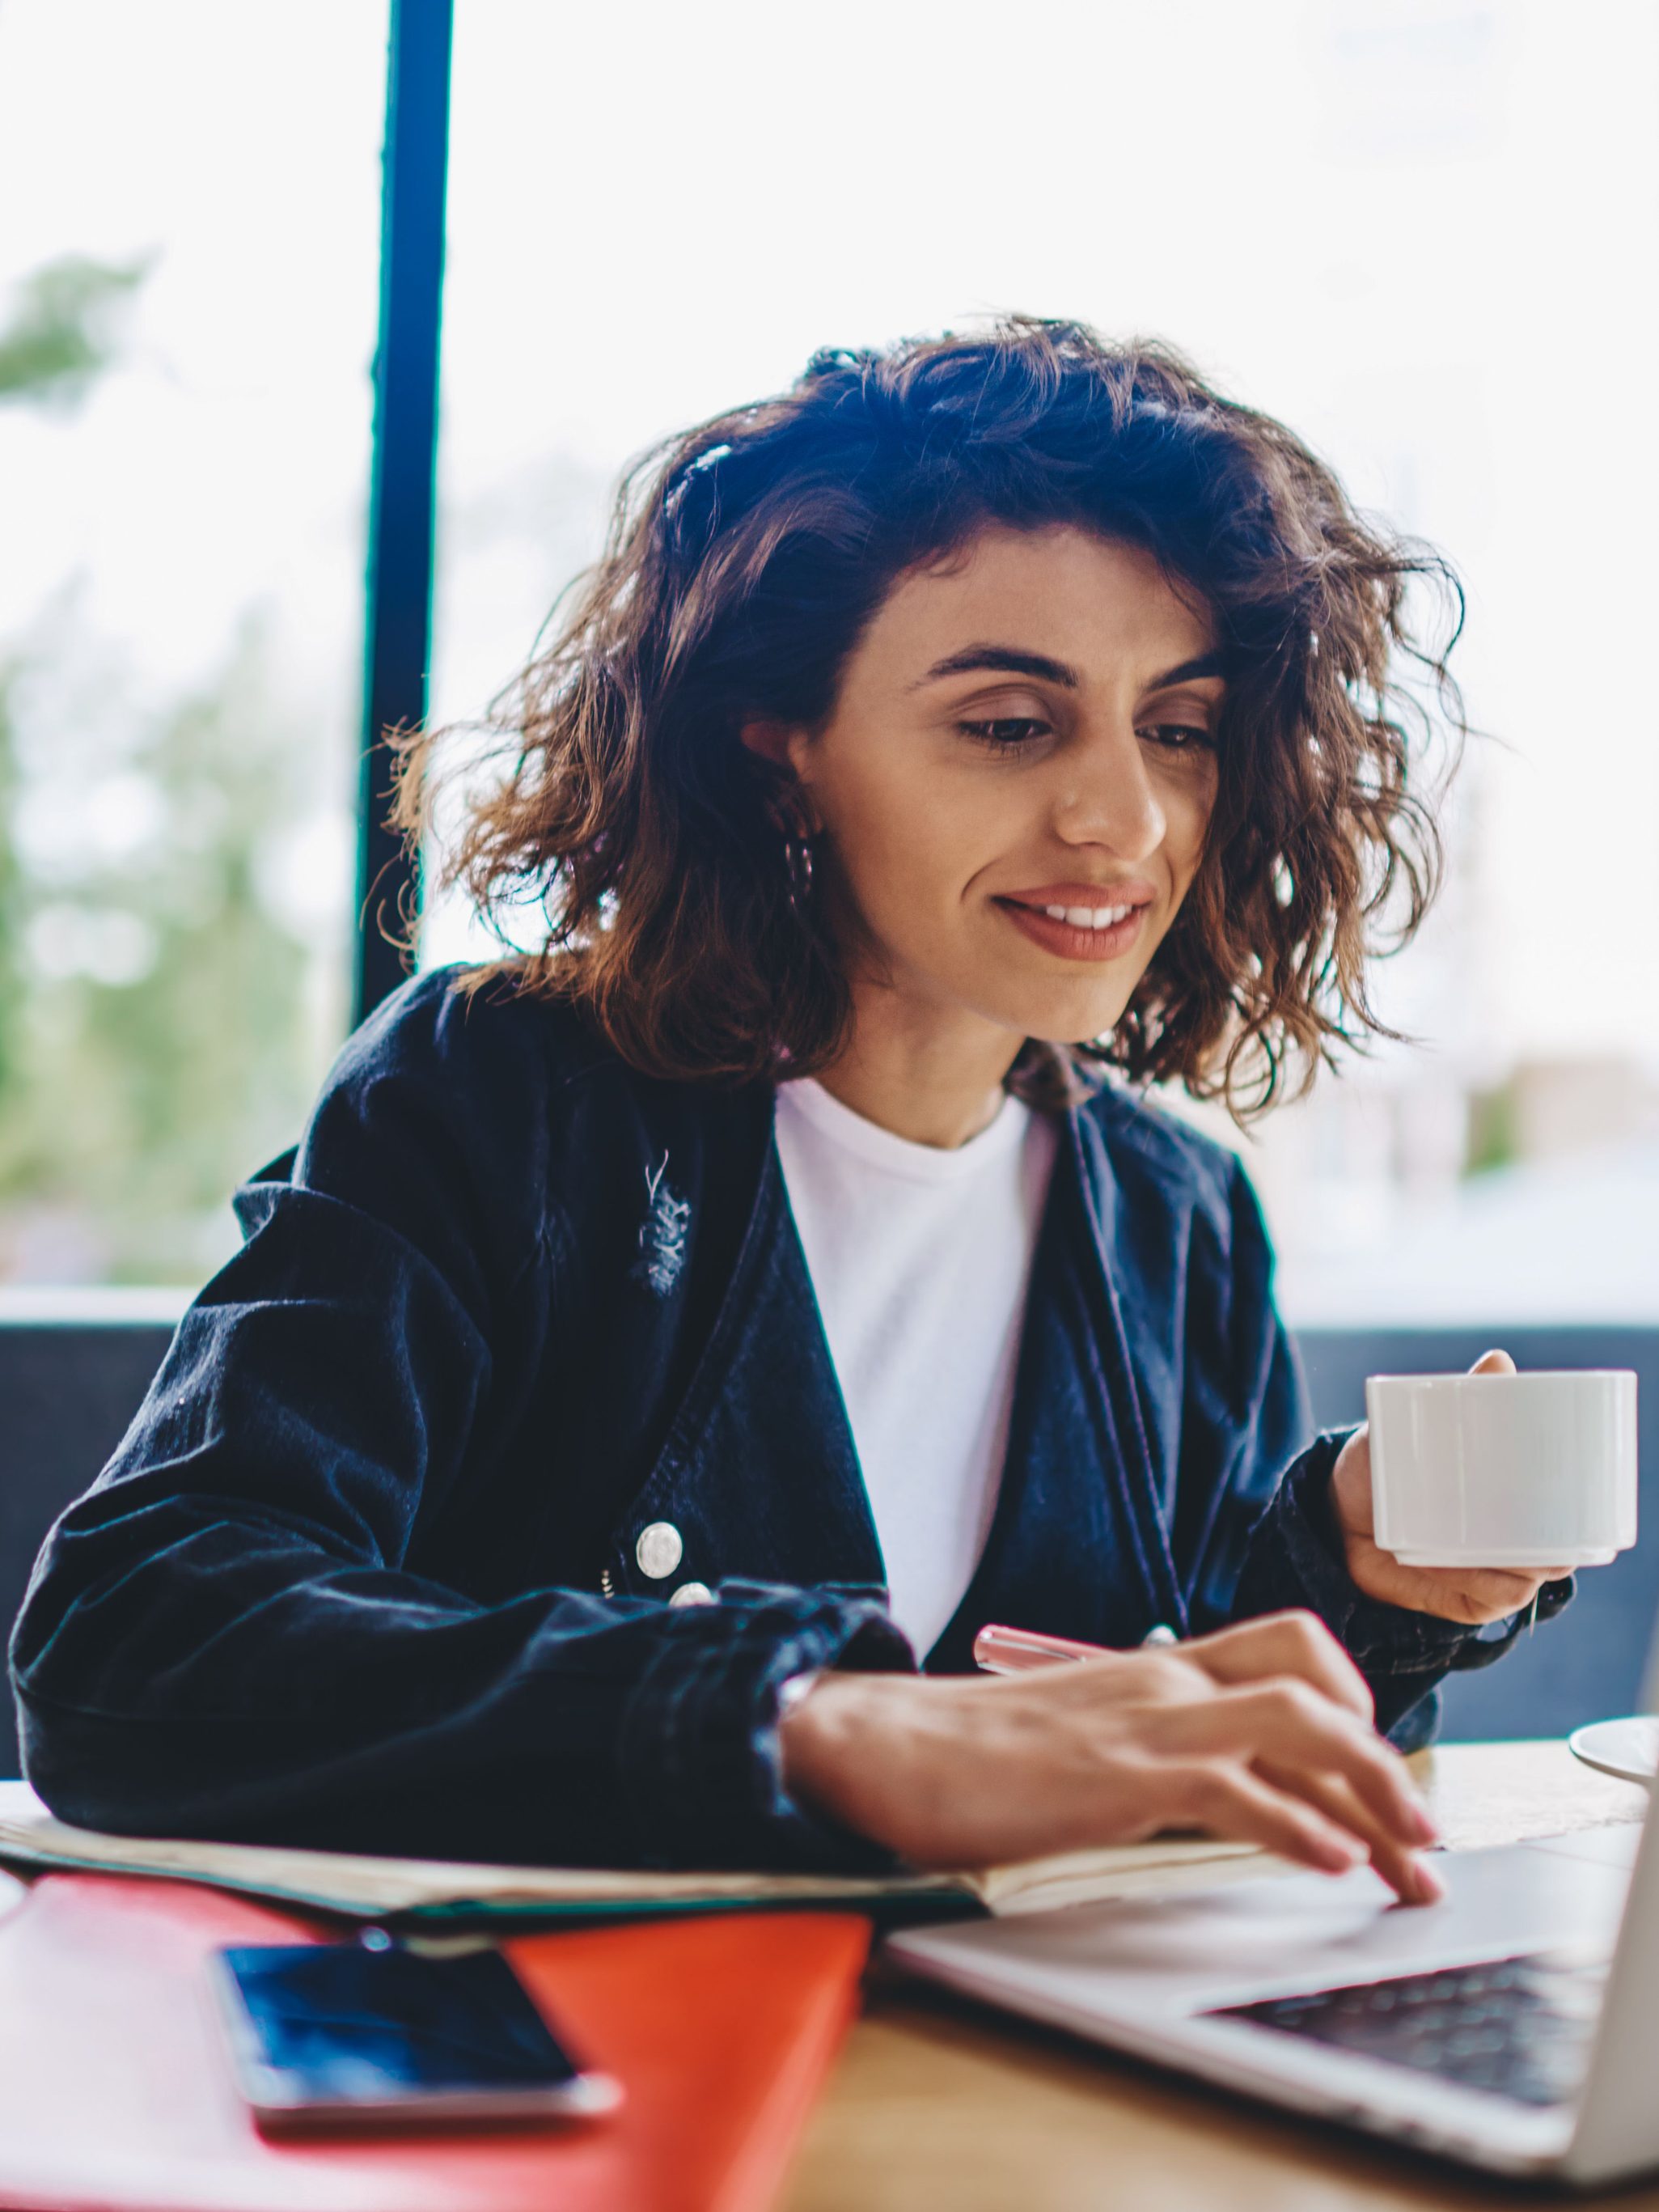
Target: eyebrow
<point>1015,660</point>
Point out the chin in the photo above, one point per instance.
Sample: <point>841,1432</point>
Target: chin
<point>1063,1024</point>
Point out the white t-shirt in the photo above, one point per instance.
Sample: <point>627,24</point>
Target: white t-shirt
<point>920,1258</point>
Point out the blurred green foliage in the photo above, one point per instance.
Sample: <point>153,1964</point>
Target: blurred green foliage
<point>63,328</point>
<point>163,1025</point>
<point>1494,1135</point>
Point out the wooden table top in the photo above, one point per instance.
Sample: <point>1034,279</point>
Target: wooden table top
<point>940,2104</point>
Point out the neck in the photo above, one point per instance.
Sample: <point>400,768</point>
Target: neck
<point>931,1074</point>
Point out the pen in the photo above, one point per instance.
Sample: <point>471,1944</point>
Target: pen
<point>1002,1650</point>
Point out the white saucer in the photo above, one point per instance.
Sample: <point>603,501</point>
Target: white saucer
<point>1628,1749</point>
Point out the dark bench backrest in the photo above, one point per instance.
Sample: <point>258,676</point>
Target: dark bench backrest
<point>69,1388</point>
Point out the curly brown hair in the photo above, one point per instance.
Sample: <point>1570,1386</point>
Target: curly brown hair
<point>743,560</point>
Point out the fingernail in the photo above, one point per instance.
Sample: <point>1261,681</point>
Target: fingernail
<point>1423,1822</point>
<point>1431,1886</point>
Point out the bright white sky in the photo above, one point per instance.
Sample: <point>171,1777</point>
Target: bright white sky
<point>1419,230</point>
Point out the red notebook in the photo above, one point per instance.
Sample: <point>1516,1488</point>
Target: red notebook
<point>116,2091</point>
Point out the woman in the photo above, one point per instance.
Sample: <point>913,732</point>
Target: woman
<point>735,1303</point>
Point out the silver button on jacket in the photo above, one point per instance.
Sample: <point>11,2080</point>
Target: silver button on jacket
<point>659,1550</point>
<point>694,1594</point>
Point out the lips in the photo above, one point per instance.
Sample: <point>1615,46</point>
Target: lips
<point>1085,905</point>
<point>1080,921</point>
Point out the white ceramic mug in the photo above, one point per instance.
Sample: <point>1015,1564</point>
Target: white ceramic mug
<point>1529,1470</point>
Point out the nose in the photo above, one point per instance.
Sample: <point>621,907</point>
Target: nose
<point>1110,798</point>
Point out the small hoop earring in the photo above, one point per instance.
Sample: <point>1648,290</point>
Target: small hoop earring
<point>797,869</point>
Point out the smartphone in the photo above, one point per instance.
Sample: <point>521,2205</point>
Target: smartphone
<point>363,2034</point>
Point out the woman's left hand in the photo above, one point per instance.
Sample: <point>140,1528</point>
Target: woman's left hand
<point>1472,1595</point>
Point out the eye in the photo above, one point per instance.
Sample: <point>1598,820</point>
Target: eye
<point>1179,737</point>
<point>1008,733</point>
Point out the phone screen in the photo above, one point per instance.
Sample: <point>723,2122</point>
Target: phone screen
<point>337,2025</point>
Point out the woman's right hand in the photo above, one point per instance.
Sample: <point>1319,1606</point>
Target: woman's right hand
<point>1260,1733</point>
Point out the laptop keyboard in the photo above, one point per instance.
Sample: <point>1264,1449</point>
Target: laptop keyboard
<point>1517,2027</point>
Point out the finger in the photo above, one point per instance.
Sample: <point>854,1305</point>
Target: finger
<point>1161,1676</point>
<point>1413,1879</point>
<point>1227,1800</point>
<point>1472,1596</point>
<point>1492,1592</point>
<point>1492,1585</point>
<point>1493,1363</point>
<point>1298,1730</point>
<point>1297,1643</point>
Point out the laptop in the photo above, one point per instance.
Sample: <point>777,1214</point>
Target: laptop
<point>1512,2026</point>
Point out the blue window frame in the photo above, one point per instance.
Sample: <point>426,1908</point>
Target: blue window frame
<point>398,626</point>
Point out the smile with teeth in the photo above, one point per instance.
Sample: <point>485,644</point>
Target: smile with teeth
<point>1088,917</point>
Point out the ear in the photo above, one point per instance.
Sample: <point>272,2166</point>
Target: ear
<point>785,746</point>
<point>774,741</point>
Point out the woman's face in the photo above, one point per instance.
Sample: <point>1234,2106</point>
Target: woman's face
<point>1015,784</point>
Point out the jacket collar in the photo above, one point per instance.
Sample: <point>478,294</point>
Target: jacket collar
<point>759,1475</point>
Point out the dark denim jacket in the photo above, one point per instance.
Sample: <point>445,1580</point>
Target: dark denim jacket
<point>364,1570</point>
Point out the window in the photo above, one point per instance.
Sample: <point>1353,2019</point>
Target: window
<point>1405,226</point>
<point>189,234</point>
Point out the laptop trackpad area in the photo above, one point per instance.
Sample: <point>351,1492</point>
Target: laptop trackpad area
<point>1274,1935</point>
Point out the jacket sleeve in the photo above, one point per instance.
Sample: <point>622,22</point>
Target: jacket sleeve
<point>1275,1543</point>
<point>221,1638</point>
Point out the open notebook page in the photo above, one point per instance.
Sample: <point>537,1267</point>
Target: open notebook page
<point>362,1887</point>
